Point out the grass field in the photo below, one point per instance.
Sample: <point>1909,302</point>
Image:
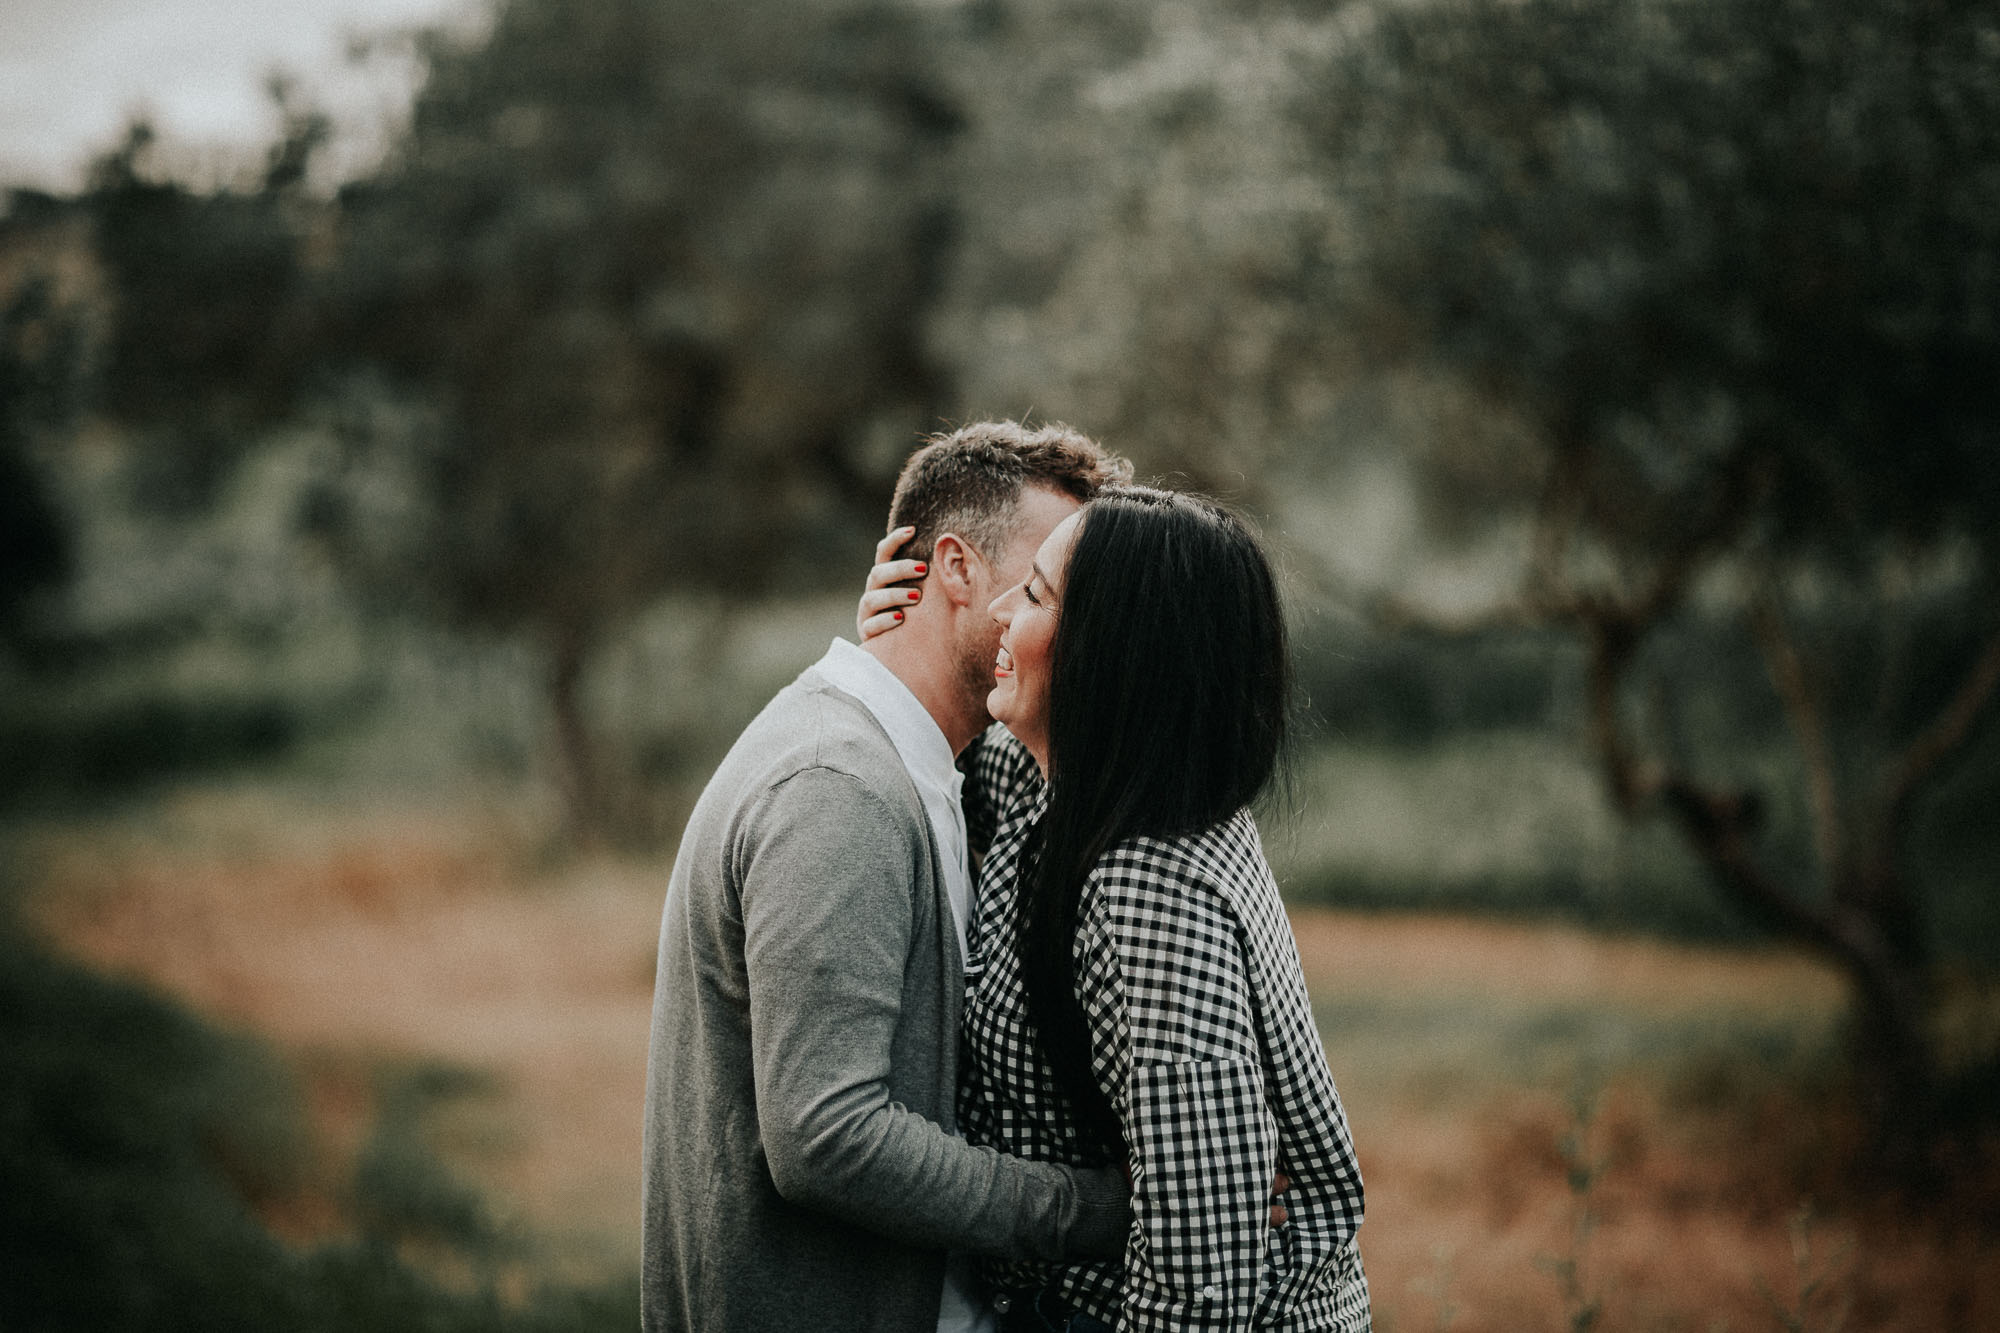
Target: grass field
<point>1554,1125</point>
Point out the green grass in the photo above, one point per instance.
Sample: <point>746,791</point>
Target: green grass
<point>1507,823</point>
<point>1517,823</point>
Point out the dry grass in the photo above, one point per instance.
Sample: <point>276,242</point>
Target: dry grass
<point>1696,1091</point>
<point>1541,964</point>
<point>413,936</point>
<point>363,947</point>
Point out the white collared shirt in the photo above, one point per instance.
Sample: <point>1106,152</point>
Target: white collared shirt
<point>924,752</point>
<point>927,756</point>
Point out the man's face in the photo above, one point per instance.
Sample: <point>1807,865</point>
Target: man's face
<point>1040,509</point>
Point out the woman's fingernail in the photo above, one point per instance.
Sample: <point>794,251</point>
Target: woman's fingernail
<point>914,594</point>
<point>899,615</point>
<point>922,568</point>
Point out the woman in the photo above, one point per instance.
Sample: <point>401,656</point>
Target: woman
<point>1134,992</point>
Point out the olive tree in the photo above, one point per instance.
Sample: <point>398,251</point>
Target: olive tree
<point>1737,266</point>
<point>654,272</point>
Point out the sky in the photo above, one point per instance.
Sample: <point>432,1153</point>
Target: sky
<point>73,72</point>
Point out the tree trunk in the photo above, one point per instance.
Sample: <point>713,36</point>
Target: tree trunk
<point>1895,1064</point>
<point>578,775</point>
<point>1861,933</point>
<point>1871,924</point>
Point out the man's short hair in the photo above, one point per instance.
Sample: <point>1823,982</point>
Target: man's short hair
<point>969,480</point>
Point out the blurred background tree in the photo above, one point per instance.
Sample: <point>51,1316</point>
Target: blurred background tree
<point>41,354</point>
<point>206,341</point>
<point>1738,268</point>
<point>659,272</point>
<point>1138,202</point>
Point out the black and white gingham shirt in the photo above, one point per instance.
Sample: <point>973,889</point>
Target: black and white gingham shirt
<point>1203,1040</point>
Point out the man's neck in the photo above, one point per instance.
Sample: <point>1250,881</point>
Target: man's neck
<point>928,671</point>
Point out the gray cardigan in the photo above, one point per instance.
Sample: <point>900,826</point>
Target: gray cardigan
<point>800,1169</point>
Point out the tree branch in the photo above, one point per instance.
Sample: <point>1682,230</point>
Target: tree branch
<point>1734,492</point>
<point>1613,640</point>
<point>1802,710</point>
<point>1719,825</point>
<point>1917,764</point>
<point>1556,514</point>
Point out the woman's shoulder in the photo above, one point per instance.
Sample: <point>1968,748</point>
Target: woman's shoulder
<point>1185,917</point>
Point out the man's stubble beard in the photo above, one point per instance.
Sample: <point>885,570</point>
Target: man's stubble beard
<point>975,650</point>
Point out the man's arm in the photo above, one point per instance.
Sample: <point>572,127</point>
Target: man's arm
<point>826,870</point>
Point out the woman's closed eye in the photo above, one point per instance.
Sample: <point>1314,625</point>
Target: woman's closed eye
<point>1036,579</point>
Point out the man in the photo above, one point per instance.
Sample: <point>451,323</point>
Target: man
<point>800,1165</point>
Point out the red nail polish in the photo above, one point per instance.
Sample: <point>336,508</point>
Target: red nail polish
<point>899,615</point>
<point>914,594</point>
<point>922,568</point>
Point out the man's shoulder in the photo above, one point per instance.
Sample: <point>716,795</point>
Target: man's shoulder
<point>811,726</point>
<point>812,788</point>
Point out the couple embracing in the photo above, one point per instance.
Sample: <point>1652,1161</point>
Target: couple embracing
<point>976,1006</point>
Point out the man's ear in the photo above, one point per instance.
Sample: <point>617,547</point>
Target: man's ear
<point>957,570</point>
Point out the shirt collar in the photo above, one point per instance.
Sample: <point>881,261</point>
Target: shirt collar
<point>912,730</point>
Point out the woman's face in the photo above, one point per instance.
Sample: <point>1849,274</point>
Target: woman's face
<point>1027,615</point>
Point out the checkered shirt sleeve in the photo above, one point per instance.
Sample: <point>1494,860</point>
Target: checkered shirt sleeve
<point>1202,1038</point>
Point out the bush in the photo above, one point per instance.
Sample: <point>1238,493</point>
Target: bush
<point>130,1135</point>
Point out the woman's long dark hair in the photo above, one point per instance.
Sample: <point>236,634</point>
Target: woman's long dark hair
<point>1169,684</point>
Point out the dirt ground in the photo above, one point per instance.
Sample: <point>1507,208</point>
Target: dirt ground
<point>1553,1126</point>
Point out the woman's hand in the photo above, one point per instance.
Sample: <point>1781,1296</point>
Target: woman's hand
<point>888,593</point>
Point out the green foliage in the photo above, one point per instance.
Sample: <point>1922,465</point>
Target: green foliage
<point>208,339</point>
<point>41,368</point>
<point>653,277</point>
<point>1582,1171</point>
<point>660,267</point>
<point>1501,823</point>
<point>1736,265</point>
<point>1409,688</point>
<point>402,1192</point>
<point>62,754</point>
<point>1516,824</point>
<point>131,1135</point>
<point>1666,905</point>
<point>1683,232</point>
<point>34,544</point>
<point>1135,201</point>
<point>115,1211</point>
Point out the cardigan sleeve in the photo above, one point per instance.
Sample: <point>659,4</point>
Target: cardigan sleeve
<point>825,870</point>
